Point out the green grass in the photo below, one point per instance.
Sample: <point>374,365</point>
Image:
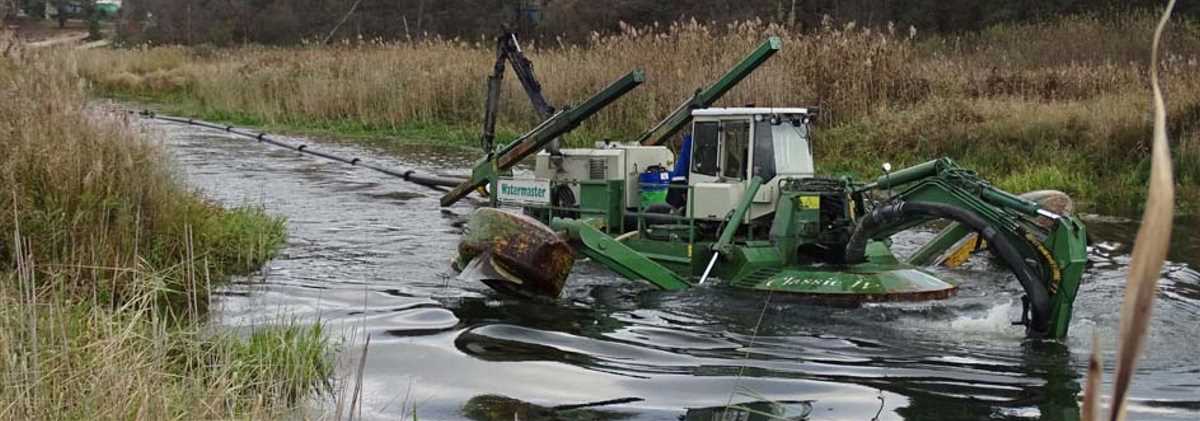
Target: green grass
<point>67,358</point>
<point>223,243</point>
<point>1069,111</point>
<point>1016,155</point>
<point>107,260</point>
<point>1053,150</point>
<point>385,137</point>
<point>238,240</point>
<point>284,362</point>
<point>1018,145</point>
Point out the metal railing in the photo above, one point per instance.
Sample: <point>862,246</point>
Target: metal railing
<point>638,211</point>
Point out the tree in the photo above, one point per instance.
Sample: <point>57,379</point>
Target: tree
<point>92,14</point>
<point>64,11</point>
<point>289,21</point>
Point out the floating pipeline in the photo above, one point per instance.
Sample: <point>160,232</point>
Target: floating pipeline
<point>428,180</point>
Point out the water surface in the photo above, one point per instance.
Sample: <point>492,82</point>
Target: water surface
<point>369,254</point>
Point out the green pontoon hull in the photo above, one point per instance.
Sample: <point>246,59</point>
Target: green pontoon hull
<point>505,242</point>
<point>881,278</point>
<point>859,283</point>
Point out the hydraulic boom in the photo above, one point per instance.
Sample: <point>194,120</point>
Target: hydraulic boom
<point>704,98</point>
<point>567,119</point>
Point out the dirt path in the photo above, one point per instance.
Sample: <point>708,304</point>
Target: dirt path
<point>38,33</point>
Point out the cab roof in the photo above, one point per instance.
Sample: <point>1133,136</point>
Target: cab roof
<point>745,111</point>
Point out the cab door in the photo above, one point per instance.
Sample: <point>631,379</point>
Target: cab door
<point>735,150</point>
<point>720,151</point>
<point>720,164</point>
<point>706,152</point>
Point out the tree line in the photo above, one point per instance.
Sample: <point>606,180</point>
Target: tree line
<point>225,22</point>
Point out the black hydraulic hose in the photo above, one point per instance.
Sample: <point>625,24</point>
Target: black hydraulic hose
<point>428,180</point>
<point>1001,246</point>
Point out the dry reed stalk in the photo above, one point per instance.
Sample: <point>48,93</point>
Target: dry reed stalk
<point>84,332</point>
<point>10,46</point>
<point>356,401</point>
<point>1149,253</point>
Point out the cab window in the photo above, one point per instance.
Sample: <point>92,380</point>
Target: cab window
<point>764,151</point>
<point>704,148</point>
<point>737,149</point>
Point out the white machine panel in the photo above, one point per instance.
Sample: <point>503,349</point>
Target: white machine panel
<point>713,201</point>
<point>616,163</point>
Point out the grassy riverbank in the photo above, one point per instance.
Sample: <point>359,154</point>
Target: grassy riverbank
<point>106,264</point>
<point>1060,104</point>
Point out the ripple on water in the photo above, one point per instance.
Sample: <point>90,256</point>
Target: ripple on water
<point>369,252</point>
<point>417,321</point>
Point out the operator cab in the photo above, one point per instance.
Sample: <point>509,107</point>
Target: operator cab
<point>732,145</point>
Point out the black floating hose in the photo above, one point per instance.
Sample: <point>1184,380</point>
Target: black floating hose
<point>1001,246</point>
<point>434,181</point>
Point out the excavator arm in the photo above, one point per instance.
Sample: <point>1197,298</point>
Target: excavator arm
<point>489,168</point>
<point>1046,251</point>
<point>508,50</point>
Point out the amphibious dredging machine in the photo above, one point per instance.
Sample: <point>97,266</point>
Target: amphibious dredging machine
<point>742,203</point>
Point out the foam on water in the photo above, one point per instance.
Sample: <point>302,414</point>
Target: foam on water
<point>996,321</point>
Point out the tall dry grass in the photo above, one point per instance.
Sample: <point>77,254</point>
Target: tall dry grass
<point>106,260</point>
<point>99,197</point>
<point>1051,105</point>
<point>395,83</point>
<point>71,357</point>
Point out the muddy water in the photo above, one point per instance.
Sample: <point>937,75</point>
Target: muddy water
<point>368,254</point>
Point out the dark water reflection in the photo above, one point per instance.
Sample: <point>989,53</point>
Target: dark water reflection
<point>369,254</point>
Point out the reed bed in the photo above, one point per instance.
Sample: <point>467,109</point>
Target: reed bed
<point>396,83</point>
<point>1048,105</point>
<point>106,263</point>
<point>69,357</point>
<point>99,197</point>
